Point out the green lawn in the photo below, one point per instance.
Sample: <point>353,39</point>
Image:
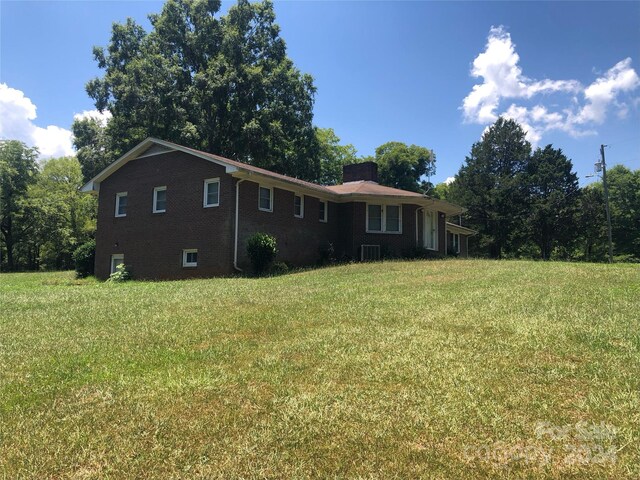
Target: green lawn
<point>440,369</point>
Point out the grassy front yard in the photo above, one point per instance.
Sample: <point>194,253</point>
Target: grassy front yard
<point>441,369</point>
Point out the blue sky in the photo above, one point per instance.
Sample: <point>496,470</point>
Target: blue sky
<point>430,73</point>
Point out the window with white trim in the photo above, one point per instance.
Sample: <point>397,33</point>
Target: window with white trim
<point>190,257</point>
<point>298,206</point>
<point>384,218</point>
<point>323,212</point>
<point>116,259</point>
<point>211,193</point>
<point>160,200</point>
<point>265,199</point>
<point>455,242</point>
<point>121,204</point>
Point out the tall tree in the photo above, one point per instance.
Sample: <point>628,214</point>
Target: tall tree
<point>333,156</point>
<point>65,216</point>
<point>403,166</point>
<point>18,170</point>
<point>222,84</point>
<point>492,186</point>
<point>591,224</point>
<point>553,195</point>
<point>624,199</point>
<point>92,146</point>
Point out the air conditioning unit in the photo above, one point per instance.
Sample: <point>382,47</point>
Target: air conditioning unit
<point>369,253</point>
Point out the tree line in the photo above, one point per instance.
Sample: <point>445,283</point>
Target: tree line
<point>224,84</point>
<point>528,204</point>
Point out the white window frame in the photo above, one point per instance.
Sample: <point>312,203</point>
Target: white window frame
<point>301,197</point>
<point>186,263</point>
<point>326,211</point>
<point>208,182</point>
<point>118,197</point>
<point>270,209</point>
<point>383,224</point>
<point>115,256</point>
<point>155,199</point>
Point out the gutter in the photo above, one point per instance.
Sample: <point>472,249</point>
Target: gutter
<point>417,236</point>
<point>235,245</point>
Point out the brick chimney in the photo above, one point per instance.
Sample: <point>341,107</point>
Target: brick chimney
<point>360,171</point>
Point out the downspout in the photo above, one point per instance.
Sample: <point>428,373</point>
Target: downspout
<point>235,246</point>
<point>418,236</point>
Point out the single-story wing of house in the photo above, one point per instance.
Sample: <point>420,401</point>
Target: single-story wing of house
<point>169,212</point>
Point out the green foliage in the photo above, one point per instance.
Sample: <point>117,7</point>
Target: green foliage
<point>93,146</point>
<point>624,200</point>
<point>120,275</point>
<point>333,156</point>
<point>553,194</point>
<point>262,250</point>
<point>18,170</point>
<point>219,83</point>
<point>278,268</point>
<point>84,258</point>
<point>440,191</point>
<point>492,185</point>
<point>327,254</point>
<point>403,166</point>
<point>64,217</point>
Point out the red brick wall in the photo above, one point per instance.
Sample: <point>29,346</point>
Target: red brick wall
<point>152,243</point>
<point>394,244</point>
<point>299,239</point>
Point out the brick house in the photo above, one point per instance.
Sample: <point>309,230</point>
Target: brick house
<point>168,211</point>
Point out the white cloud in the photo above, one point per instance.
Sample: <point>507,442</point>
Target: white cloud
<point>604,91</point>
<point>502,79</point>
<point>449,180</point>
<point>17,113</point>
<point>103,117</point>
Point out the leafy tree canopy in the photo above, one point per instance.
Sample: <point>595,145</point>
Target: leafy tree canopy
<point>92,146</point>
<point>18,169</point>
<point>222,84</point>
<point>403,166</point>
<point>492,185</point>
<point>553,195</point>
<point>624,201</point>
<point>333,156</point>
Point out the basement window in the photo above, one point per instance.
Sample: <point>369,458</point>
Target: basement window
<point>116,259</point>
<point>190,257</point>
<point>121,204</point>
<point>160,200</point>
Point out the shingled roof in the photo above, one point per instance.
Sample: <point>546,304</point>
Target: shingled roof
<point>349,191</point>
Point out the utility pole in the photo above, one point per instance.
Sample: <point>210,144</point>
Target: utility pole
<point>606,201</point>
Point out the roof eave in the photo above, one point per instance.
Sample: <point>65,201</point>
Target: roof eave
<point>460,229</point>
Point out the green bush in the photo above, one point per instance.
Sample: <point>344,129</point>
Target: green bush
<point>327,254</point>
<point>278,268</point>
<point>84,258</point>
<point>120,275</point>
<point>262,251</point>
